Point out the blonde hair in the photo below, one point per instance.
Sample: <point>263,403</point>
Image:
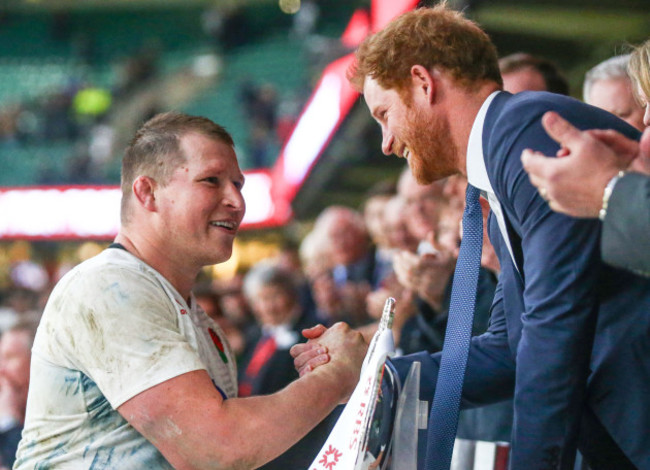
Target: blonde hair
<point>639,67</point>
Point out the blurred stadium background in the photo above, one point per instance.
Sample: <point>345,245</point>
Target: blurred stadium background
<point>77,77</point>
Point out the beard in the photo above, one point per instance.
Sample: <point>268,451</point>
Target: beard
<point>433,154</point>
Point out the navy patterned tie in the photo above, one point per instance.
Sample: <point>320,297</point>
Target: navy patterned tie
<point>443,419</point>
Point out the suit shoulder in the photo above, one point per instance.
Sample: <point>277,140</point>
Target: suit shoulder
<point>524,108</point>
<point>519,109</point>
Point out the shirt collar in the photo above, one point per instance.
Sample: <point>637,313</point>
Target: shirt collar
<point>477,174</point>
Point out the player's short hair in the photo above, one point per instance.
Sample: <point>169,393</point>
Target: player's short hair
<point>430,37</point>
<point>155,150</point>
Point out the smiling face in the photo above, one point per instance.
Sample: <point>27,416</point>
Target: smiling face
<point>201,207</point>
<point>414,131</point>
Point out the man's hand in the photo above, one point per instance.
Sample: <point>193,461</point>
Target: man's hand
<point>427,274</point>
<point>574,182</point>
<point>340,345</point>
<point>307,356</point>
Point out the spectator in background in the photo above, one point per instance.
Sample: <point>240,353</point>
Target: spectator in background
<point>489,258</point>
<point>212,22</point>
<point>90,103</point>
<point>234,30</point>
<point>19,304</point>
<point>318,269</point>
<point>395,227</point>
<point>521,72</point>
<point>448,234</point>
<point>328,299</point>
<point>396,238</point>
<point>15,356</point>
<point>9,128</point>
<point>374,212</point>
<point>421,206</point>
<point>352,257</point>
<point>57,122</point>
<point>454,190</point>
<point>608,86</point>
<point>137,70</point>
<point>427,273</point>
<point>260,108</point>
<point>288,258</point>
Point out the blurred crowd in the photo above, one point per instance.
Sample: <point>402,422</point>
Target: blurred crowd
<point>77,112</point>
<point>80,110</point>
<point>402,243</point>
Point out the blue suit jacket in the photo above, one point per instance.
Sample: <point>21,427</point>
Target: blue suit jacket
<point>548,313</point>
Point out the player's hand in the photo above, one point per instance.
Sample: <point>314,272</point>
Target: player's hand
<point>339,344</point>
<point>308,356</point>
<point>347,348</point>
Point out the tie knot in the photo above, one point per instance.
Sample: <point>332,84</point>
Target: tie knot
<point>472,194</point>
<point>472,205</point>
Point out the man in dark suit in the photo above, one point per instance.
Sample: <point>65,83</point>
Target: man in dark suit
<point>431,81</point>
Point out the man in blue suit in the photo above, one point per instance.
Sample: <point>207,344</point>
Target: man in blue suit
<point>569,337</point>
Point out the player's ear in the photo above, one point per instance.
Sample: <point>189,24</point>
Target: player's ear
<point>144,190</point>
<point>423,83</point>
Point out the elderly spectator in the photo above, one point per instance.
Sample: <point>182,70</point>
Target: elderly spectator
<point>608,86</point>
<point>348,242</point>
<point>318,269</point>
<point>351,257</point>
